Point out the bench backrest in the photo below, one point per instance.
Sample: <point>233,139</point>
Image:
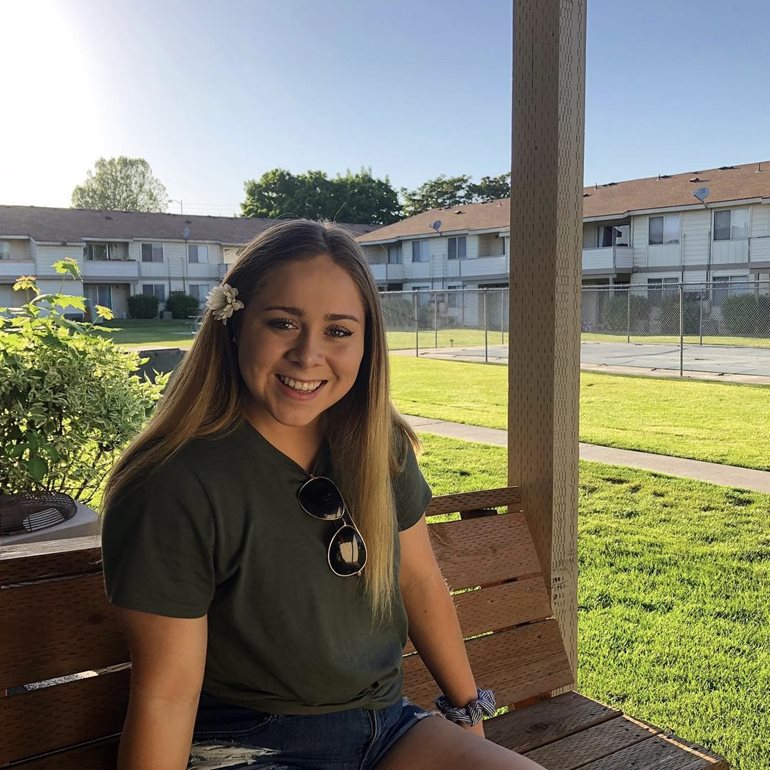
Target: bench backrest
<point>55,622</point>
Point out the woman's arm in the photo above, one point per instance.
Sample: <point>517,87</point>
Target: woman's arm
<point>167,657</point>
<point>433,625</point>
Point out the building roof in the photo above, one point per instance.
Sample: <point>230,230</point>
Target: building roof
<point>73,225</point>
<point>728,183</point>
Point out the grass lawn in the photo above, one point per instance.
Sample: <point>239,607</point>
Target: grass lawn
<point>689,339</point>
<point>445,338</point>
<point>137,333</point>
<point>711,421</point>
<point>674,617</point>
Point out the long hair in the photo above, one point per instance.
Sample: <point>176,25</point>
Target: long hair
<point>367,438</point>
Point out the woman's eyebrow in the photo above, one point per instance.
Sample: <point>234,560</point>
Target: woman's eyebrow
<point>300,313</point>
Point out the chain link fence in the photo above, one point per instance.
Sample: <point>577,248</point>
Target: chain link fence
<point>450,318</point>
<point>728,312</point>
<point>715,313</point>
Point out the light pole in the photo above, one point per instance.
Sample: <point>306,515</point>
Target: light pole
<point>176,200</point>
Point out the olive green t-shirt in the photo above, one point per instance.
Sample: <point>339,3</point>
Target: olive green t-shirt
<point>218,530</point>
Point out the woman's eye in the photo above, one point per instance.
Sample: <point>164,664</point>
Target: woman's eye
<point>339,331</point>
<point>282,324</point>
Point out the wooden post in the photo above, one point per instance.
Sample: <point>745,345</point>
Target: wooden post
<point>545,280</point>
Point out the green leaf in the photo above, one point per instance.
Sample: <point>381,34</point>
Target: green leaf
<point>69,300</point>
<point>50,450</point>
<point>26,283</point>
<point>104,312</point>
<point>67,266</point>
<point>37,467</point>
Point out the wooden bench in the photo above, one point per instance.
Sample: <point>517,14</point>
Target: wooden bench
<point>56,622</point>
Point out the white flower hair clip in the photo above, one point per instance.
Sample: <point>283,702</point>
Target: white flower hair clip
<point>222,302</point>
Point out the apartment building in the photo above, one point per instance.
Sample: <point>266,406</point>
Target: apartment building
<point>709,225</point>
<point>121,253</point>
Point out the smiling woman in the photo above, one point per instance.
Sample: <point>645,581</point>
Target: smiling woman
<point>55,142</point>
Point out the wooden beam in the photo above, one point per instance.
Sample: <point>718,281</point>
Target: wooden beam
<point>545,279</point>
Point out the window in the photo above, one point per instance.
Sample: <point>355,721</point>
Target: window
<point>662,288</point>
<point>420,251</point>
<point>152,252</point>
<point>155,289</point>
<point>729,285</point>
<point>664,229</point>
<point>613,235</point>
<point>454,297</point>
<point>197,253</point>
<point>5,250</point>
<point>198,290</point>
<point>99,294</point>
<point>394,254</point>
<point>731,225</point>
<point>457,249</point>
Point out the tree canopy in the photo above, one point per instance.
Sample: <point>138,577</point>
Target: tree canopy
<point>356,198</point>
<point>446,191</point>
<point>121,184</point>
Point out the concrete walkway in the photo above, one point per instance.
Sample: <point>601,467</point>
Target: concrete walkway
<point>725,475</point>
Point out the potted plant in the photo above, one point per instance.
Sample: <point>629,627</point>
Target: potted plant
<point>70,399</point>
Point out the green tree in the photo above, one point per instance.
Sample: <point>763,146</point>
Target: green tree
<point>490,188</point>
<point>121,184</point>
<point>436,193</point>
<point>357,198</point>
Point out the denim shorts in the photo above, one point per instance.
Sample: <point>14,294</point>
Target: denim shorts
<point>234,737</point>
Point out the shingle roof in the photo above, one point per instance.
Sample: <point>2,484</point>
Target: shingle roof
<point>68,225</point>
<point>616,199</point>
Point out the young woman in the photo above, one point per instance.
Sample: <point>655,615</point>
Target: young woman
<point>265,544</point>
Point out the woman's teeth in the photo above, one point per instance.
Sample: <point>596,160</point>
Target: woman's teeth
<point>304,387</point>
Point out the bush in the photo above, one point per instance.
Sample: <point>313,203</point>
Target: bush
<point>614,312</point>
<point>143,306</point>
<point>69,397</point>
<point>669,318</point>
<point>747,314</point>
<point>182,305</point>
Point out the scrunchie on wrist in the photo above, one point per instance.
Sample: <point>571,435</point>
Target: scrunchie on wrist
<point>470,714</point>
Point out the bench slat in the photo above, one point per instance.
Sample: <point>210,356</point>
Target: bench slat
<point>519,663</point>
<point>660,754</point>
<point>44,636</point>
<point>549,720</point>
<point>98,756</point>
<point>484,551</point>
<point>62,715</point>
<point>589,745</point>
<point>469,501</point>
<point>500,607</point>
<point>49,559</point>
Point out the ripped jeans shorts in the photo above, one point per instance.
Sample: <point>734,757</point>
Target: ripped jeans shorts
<point>230,737</point>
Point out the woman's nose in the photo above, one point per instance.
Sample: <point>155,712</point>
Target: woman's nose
<point>308,350</point>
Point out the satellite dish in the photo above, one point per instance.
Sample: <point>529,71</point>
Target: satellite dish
<point>702,193</point>
<point>437,226</point>
<point>186,233</point>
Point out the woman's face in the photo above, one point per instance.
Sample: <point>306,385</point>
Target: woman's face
<point>300,346</point>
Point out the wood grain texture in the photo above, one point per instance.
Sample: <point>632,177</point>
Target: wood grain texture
<point>545,278</point>
<point>484,551</point>
<point>594,743</point>
<point>518,664</point>
<point>547,721</point>
<point>500,607</point>
<point>50,559</point>
<point>468,501</point>
<point>63,715</point>
<point>95,756</point>
<point>656,754</point>
<point>57,627</point>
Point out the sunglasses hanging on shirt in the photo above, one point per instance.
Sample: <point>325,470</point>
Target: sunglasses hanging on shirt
<point>320,498</point>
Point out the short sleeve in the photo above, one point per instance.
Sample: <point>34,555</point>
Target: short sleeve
<point>411,491</point>
<point>158,545</point>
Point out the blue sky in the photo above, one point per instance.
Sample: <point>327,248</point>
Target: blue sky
<point>212,94</point>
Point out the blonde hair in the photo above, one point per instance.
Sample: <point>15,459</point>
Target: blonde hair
<point>368,439</point>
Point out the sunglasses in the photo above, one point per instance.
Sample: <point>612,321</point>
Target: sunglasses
<point>320,498</point>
